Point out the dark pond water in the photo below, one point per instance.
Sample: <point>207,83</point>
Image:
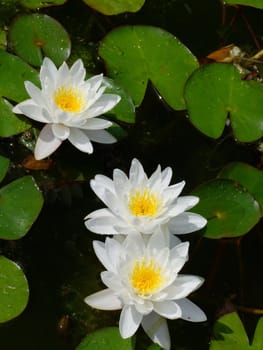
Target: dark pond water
<point>56,254</point>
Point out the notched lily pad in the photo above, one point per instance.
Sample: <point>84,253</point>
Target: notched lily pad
<point>136,54</point>
<point>249,177</point>
<point>215,91</point>
<point>14,290</point>
<point>20,204</point>
<point>13,73</point>
<point>115,7</point>
<point>106,339</point>
<point>35,4</point>
<point>254,3</point>
<point>35,36</point>
<point>230,209</point>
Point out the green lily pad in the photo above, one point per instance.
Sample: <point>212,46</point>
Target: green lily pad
<point>35,36</point>
<point>229,334</point>
<point>125,109</point>
<point>4,164</point>
<point>248,176</point>
<point>106,339</point>
<point>216,90</point>
<point>136,54</point>
<point>14,290</point>
<point>254,3</point>
<point>20,204</point>
<point>258,336</point>
<point>10,123</point>
<point>154,347</point>
<point>115,7</point>
<point>35,4</point>
<point>230,209</point>
<point>13,73</point>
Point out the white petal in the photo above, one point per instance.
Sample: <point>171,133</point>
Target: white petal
<point>96,124</point>
<point>182,204</point>
<point>166,176</point>
<point>77,72</point>
<point>130,320</point>
<point>100,251</point>
<point>100,136</point>
<point>46,143</point>
<point>111,281</point>
<point>180,250</point>
<point>168,309</point>
<point>157,329</point>
<point>60,131</point>
<point>35,93</point>
<point>183,286</point>
<point>32,111</point>
<point>47,71</point>
<point>100,183</point>
<point>103,225</point>
<point>158,240</point>
<point>144,308</point>
<point>186,223</point>
<point>95,82</point>
<point>190,311</point>
<point>104,300</point>
<point>137,175</point>
<point>80,140</point>
<point>172,192</point>
<point>104,104</point>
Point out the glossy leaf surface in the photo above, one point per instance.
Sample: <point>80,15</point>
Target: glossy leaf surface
<point>106,339</point>
<point>13,73</point>
<point>35,36</point>
<point>216,90</point>
<point>231,211</point>
<point>114,7</point>
<point>136,54</point>
<point>20,204</point>
<point>14,290</point>
<point>249,177</point>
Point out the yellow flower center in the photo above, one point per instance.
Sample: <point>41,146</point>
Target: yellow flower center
<point>146,277</point>
<point>69,99</point>
<point>144,203</point>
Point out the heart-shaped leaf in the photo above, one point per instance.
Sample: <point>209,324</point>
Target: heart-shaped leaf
<point>106,339</point>
<point>11,124</point>
<point>14,290</point>
<point>114,7</point>
<point>35,36</point>
<point>4,164</point>
<point>136,54</point>
<point>216,90</point>
<point>20,204</point>
<point>229,334</point>
<point>231,210</point>
<point>13,73</point>
<point>254,3</point>
<point>35,4</point>
<point>248,176</point>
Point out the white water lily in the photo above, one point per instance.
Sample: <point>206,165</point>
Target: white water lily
<point>142,204</point>
<point>142,279</point>
<point>69,106</point>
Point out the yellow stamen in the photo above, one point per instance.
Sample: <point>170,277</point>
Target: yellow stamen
<point>146,277</point>
<point>69,99</point>
<point>144,203</point>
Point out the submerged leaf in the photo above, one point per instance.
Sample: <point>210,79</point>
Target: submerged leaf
<point>136,54</point>
<point>14,290</point>
<point>231,211</point>
<point>20,204</point>
<point>216,90</point>
<point>35,36</point>
<point>115,7</point>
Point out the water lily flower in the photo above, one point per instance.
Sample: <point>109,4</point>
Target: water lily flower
<point>142,204</point>
<point>69,106</point>
<point>142,279</point>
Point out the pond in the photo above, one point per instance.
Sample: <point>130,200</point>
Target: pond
<point>208,130</point>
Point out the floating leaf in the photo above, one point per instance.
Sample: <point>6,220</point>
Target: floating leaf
<point>258,336</point>
<point>20,204</point>
<point>106,339</point>
<point>229,334</point>
<point>4,164</point>
<point>154,347</point>
<point>125,109</point>
<point>231,210</point>
<point>10,123</point>
<point>216,90</point>
<point>114,7</point>
<point>35,36</point>
<point>13,73</point>
<point>35,4</point>
<point>248,176</point>
<point>135,54</point>
<point>14,290</point>
<point>254,3</point>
